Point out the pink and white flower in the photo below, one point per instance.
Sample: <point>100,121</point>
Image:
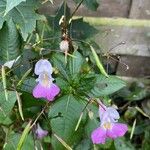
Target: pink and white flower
<point>40,133</point>
<point>45,87</point>
<point>109,128</point>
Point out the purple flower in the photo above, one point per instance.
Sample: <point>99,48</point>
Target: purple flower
<point>109,128</point>
<point>45,87</point>
<point>40,133</point>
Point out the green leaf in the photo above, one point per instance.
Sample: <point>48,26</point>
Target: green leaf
<point>84,145</point>
<point>23,15</point>
<point>10,41</point>
<point>122,144</point>
<point>75,63</point>
<point>6,106</point>
<point>81,30</point>
<point>59,62</point>
<point>11,4</point>
<point>92,121</point>
<point>1,21</point>
<point>106,86</point>
<point>146,141</point>
<point>13,139</point>
<point>28,85</point>
<point>64,116</point>
<point>24,136</point>
<point>93,5</point>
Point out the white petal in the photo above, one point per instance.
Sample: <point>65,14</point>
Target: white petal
<point>43,65</point>
<point>113,113</point>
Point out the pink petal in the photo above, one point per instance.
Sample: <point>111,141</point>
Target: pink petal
<point>98,136</point>
<point>118,130</point>
<point>46,92</point>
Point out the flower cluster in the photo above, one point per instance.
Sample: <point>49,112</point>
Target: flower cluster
<point>109,128</point>
<point>45,87</point>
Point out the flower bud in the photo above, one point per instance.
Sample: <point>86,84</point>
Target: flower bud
<point>64,45</point>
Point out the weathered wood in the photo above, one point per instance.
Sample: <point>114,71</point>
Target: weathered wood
<point>137,41</point>
<point>107,8</point>
<point>138,66</point>
<point>140,9</point>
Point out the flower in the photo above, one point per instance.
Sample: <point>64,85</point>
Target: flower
<point>40,133</point>
<point>64,45</point>
<point>45,87</point>
<point>109,128</point>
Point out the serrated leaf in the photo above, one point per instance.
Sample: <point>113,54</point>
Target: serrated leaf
<point>59,62</point>
<point>106,86</point>
<point>23,15</point>
<point>75,63</point>
<point>10,41</point>
<point>81,30</point>
<point>11,4</point>
<point>64,125</point>
<point>6,106</point>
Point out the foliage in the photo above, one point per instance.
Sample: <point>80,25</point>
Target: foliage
<point>29,36</point>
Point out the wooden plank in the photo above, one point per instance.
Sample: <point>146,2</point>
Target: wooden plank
<point>137,41</point>
<point>140,9</point>
<point>138,66</point>
<point>107,8</point>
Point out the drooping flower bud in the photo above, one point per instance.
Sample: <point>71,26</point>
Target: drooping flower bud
<point>64,45</point>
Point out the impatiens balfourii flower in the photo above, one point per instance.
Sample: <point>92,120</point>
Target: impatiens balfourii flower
<point>109,128</point>
<point>40,133</point>
<point>45,87</point>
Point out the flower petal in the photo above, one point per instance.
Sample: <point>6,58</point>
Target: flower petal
<point>43,65</point>
<point>118,130</point>
<point>113,114</point>
<point>46,92</point>
<point>98,136</point>
<point>40,133</point>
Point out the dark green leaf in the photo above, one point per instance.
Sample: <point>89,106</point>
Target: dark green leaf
<point>84,145</point>
<point>23,15</point>
<point>81,30</point>
<point>11,4</point>
<point>6,106</point>
<point>75,63</point>
<point>122,144</point>
<point>59,62</point>
<point>13,140</point>
<point>10,41</point>
<point>106,86</point>
<point>68,110</point>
